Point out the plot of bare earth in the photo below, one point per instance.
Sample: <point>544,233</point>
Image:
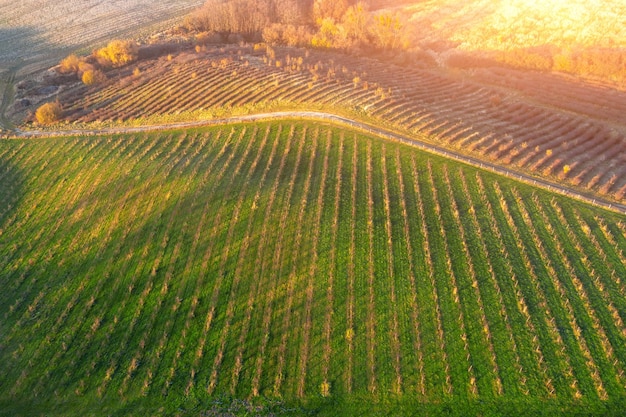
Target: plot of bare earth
<point>37,31</point>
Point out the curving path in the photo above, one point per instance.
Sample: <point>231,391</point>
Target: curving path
<point>333,118</point>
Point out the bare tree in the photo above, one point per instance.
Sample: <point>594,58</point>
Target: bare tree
<point>247,17</point>
<point>329,9</point>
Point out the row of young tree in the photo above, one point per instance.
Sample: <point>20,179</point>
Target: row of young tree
<point>604,64</point>
<point>339,24</point>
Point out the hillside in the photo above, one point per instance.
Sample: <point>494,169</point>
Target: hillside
<point>517,119</point>
<point>293,267</point>
<point>394,228</point>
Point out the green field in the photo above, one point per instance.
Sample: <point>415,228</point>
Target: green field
<point>301,269</point>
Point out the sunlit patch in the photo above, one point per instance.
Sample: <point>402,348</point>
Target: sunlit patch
<point>499,24</point>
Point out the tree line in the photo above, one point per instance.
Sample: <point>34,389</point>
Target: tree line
<point>339,24</point>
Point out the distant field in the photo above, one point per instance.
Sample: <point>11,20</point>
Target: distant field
<point>172,272</point>
<point>506,24</point>
<point>35,35</point>
<point>32,29</point>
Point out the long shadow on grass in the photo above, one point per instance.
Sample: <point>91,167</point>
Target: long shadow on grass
<point>11,192</point>
<point>19,43</point>
<point>11,180</point>
<point>116,271</point>
<point>49,342</point>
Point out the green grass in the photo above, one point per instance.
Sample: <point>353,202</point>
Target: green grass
<point>251,268</point>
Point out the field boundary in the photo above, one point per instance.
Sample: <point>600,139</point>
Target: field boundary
<point>354,124</point>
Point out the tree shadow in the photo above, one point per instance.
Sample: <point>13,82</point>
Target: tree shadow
<point>11,194</point>
<point>20,48</point>
<point>19,44</point>
<point>11,180</point>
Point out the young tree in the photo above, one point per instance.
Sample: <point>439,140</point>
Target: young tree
<point>355,22</point>
<point>327,35</point>
<point>273,34</point>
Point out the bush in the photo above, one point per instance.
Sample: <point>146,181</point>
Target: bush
<point>93,76</point>
<point>208,38</point>
<point>118,53</point>
<point>235,38</point>
<point>71,64</point>
<point>49,113</point>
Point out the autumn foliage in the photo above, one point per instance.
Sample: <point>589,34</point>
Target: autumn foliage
<point>93,76</point>
<point>331,24</point>
<point>117,53</point>
<point>49,113</point>
<point>71,64</point>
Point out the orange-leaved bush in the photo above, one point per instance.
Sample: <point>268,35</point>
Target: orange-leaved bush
<point>118,53</point>
<point>49,113</point>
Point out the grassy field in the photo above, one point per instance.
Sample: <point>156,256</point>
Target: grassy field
<point>295,268</point>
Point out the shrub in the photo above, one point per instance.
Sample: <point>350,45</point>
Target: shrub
<point>291,35</point>
<point>325,389</point>
<point>93,76</point>
<point>495,100</point>
<point>49,113</point>
<point>208,38</point>
<point>118,53</point>
<point>235,38</point>
<point>71,64</point>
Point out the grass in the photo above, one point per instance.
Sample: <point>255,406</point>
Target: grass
<point>297,268</point>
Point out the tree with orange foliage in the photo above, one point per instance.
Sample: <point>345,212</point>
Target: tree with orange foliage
<point>354,23</point>
<point>49,113</point>
<point>118,53</point>
<point>93,76</point>
<point>70,64</point>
